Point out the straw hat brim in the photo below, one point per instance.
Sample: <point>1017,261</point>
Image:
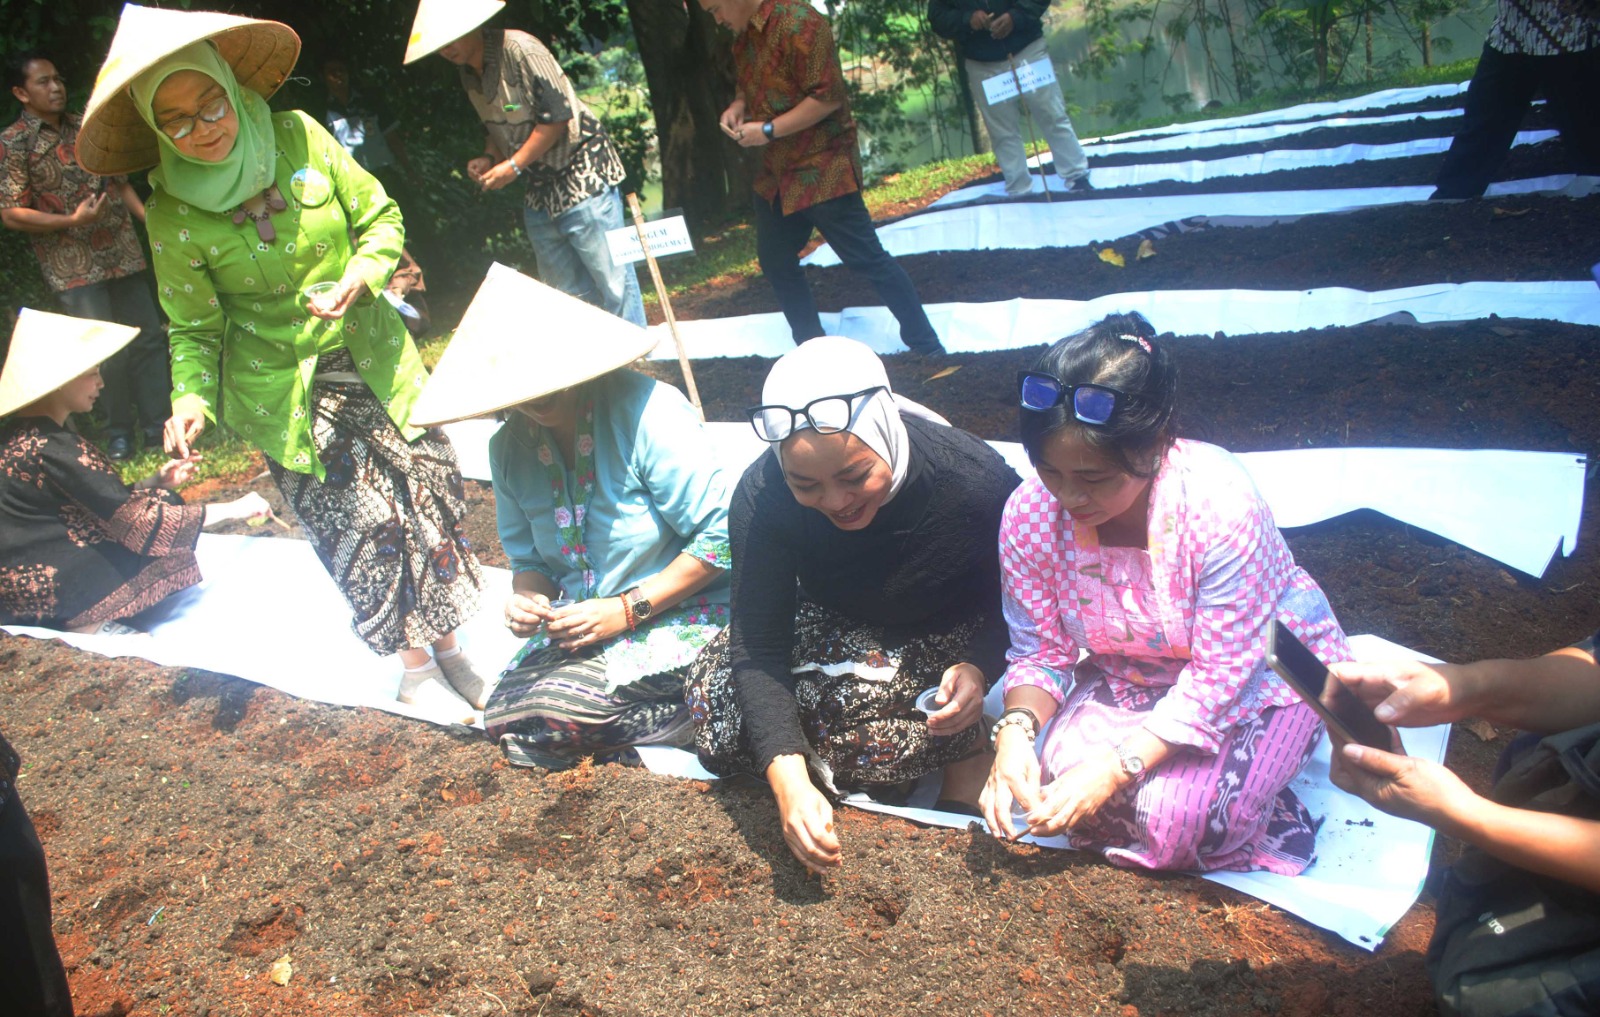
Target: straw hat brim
<point>520,340</point>
<point>48,350</point>
<point>114,138</point>
<point>438,23</point>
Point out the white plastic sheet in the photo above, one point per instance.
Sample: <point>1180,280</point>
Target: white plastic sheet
<point>1304,111</point>
<point>1199,171</point>
<point>256,584</point>
<point>1248,135</point>
<point>1031,225</point>
<point>1022,322</point>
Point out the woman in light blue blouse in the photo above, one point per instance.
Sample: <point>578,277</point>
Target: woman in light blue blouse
<point>612,511</point>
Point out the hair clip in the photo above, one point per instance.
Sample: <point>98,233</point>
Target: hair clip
<point>1141,340</point>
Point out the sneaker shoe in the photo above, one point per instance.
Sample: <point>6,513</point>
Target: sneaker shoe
<point>119,448</point>
<point>458,671</point>
<point>1080,185</point>
<point>411,682</point>
<point>930,354</point>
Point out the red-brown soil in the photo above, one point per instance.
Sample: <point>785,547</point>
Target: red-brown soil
<point>199,827</point>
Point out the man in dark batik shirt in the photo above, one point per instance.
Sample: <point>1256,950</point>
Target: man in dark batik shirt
<point>791,103</point>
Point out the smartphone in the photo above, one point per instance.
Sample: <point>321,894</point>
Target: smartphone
<point>1345,715</point>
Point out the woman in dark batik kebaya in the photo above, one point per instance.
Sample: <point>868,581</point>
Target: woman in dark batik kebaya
<point>79,549</point>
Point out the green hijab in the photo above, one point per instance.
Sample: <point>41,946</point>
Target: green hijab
<point>246,170</point>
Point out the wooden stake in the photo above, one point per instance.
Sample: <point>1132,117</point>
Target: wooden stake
<point>1027,111</point>
<point>666,305</point>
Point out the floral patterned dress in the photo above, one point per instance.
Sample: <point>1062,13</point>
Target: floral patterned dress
<point>1173,638</point>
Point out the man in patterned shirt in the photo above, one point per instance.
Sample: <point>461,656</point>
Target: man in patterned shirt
<point>538,128</point>
<point>82,233</point>
<point>1533,45</point>
<point>791,103</point>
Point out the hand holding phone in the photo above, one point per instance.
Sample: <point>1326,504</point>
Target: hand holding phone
<point>1348,718</point>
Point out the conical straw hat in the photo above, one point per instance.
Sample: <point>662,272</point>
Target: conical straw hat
<point>114,138</point>
<point>49,350</point>
<point>520,340</point>
<point>440,22</point>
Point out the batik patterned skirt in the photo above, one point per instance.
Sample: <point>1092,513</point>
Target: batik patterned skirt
<point>1230,810</point>
<point>857,700</point>
<point>388,520</point>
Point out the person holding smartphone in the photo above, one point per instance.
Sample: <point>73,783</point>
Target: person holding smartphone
<point>1519,914</point>
<point>1172,743</point>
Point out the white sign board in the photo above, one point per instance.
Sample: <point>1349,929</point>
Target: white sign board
<point>1003,86</point>
<point>666,236</point>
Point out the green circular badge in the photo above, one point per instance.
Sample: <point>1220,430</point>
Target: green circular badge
<point>311,187</point>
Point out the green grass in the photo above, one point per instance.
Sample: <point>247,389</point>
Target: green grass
<point>224,454</point>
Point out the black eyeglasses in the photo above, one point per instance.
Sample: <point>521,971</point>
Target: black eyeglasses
<point>827,415</point>
<point>1092,404</point>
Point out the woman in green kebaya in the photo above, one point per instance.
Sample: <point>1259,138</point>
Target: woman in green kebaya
<point>271,247</point>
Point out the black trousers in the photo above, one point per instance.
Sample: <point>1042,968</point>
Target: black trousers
<point>32,980</point>
<point>138,378</point>
<point>1502,87</point>
<point>844,223</point>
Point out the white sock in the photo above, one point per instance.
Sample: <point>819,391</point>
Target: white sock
<point>454,651</point>
<point>421,668</point>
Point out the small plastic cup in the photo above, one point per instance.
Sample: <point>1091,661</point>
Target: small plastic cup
<point>561,602</point>
<point>317,294</point>
<point>927,704</point>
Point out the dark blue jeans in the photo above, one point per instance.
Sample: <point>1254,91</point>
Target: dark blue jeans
<point>845,224</point>
<point>1502,87</point>
<point>138,378</point>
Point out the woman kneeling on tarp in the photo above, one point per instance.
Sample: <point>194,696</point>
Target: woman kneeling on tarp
<point>865,542</point>
<point>1173,743</point>
<point>612,509</point>
<point>80,549</point>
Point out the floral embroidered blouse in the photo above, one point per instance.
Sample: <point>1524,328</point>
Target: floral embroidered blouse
<point>227,291</point>
<point>78,546</point>
<point>654,491</point>
<point>1218,572</point>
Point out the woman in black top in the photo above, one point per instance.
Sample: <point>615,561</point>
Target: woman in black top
<point>868,574</point>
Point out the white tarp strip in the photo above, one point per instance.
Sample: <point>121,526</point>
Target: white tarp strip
<point>256,585</point>
<point>1304,111</point>
<point>1032,225</point>
<point>1195,171</point>
<point>1022,322</point>
<point>1247,135</point>
<point>1369,866</point>
<point>1461,495</point>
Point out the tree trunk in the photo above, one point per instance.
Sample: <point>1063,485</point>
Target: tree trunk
<point>1427,46</point>
<point>1369,43</point>
<point>980,136</point>
<point>689,68</point>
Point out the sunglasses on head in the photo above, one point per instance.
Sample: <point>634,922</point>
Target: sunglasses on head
<point>1092,404</point>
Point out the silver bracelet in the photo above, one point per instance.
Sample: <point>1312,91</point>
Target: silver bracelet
<point>1015,717</point>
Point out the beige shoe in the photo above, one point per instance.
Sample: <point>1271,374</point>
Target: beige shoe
<point>411,682</point>
<point>459,672</point>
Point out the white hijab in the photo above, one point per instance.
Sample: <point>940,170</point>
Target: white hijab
<point>835,366</point>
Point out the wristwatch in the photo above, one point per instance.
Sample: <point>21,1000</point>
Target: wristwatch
<point>769,130</point>
<point>1132,765</point>
<point>639,607</point>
